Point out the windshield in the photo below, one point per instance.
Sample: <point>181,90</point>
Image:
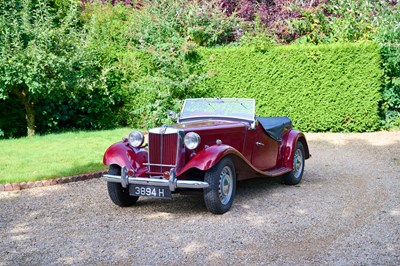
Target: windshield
<point>236,108</point>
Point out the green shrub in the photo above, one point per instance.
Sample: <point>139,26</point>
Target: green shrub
<point>322,88</point>
<point>37,52</point>
<point>389,41</point>
<point>170,32</point>
<point>124,64</point>
<point>355,20</point>
<point>47,64</point>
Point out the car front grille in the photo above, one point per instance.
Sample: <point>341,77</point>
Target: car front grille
<point>162,152</point>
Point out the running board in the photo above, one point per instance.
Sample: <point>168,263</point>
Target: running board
<point>277,172</point>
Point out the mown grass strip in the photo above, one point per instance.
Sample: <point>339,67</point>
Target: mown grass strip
<point>55,155</point>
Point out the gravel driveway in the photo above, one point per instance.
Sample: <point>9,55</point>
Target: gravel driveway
<point>346,211</point>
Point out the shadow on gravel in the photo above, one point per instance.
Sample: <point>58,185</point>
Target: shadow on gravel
<point>188,204</point>
<point>344,212</point>
<point>194,203</point>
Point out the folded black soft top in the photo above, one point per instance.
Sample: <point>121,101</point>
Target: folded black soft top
<point>275,125</point>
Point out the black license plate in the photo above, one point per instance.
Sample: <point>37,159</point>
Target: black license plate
<point>150,191</point>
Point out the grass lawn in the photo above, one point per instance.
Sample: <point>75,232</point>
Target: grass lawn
<point>55,155</point>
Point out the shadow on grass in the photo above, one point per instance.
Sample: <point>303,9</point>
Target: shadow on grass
<point>72,171</point>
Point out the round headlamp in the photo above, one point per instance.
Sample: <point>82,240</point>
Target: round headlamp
<point>192,140</point>
<point>136,139</point>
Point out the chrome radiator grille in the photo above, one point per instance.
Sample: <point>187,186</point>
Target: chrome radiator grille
<point>162,152</point>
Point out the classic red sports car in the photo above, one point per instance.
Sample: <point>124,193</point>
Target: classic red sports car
<point>214,143</point>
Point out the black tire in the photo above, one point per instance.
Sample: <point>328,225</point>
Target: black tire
<point>219,196</point>
<point>294,177</point>
<point>119,195</point>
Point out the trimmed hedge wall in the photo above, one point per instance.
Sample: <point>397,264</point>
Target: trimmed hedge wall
<point>334,87</point>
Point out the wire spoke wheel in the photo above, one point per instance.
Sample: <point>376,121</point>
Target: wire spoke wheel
<point>219,196</point>
<point>298,163</point>
<point>294,176</point>
<point>225,185</point>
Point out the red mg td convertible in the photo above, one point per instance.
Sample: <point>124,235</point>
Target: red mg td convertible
<point>214,143</point>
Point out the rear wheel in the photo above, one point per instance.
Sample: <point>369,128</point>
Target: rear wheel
<point>219,196</point>
<point>294,177</point>
<point>119,195</point>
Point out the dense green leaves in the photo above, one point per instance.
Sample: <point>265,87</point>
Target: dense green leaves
<point>170,32</point>
<point>322,88</point>
<point>389,41</point>
<point>101,65</point>
<point>37,49</point>
<point>47,63</point>
<point>352,21</point>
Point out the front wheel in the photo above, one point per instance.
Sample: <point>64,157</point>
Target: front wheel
<point>118,194</point>
<point>219,196</point>
<point>294,177</point>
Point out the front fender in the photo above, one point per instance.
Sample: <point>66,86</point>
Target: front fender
<point>122,154</point>
<point>209,157</point>
<point>290,145</point>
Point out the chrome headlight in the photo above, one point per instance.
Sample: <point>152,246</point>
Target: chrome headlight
<point>136,139</point>
<point>192,140</point>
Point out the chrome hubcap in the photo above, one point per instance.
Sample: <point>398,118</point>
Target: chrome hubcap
<point>298,163</point>
<point>225,185</point>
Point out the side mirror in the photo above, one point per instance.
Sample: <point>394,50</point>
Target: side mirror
<point>171,114</point>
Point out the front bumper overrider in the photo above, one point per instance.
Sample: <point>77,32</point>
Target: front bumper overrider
<point>173,183</point>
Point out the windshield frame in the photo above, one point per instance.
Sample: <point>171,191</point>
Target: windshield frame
<point>252,105</point>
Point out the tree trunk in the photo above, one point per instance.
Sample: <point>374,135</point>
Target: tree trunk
<point>22,94</point>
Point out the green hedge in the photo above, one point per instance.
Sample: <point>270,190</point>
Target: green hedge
<point>334,87</point>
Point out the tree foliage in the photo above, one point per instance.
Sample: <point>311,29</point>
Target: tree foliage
<point>266,23</point>
<point>105,63</point>
<point>170,32</point>
<point>37,52</point>
<point>48,62</point>
<point>389,41</point>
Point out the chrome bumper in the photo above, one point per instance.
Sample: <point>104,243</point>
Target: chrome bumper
<point>173,183</point>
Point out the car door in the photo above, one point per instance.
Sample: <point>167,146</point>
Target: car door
<point>265,150</point>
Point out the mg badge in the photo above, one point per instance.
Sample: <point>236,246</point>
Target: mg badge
<point>163,129</point>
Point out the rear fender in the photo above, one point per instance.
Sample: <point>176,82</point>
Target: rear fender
<point>122,154</point>
<point>209,157</point>
<point>290,141</point>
